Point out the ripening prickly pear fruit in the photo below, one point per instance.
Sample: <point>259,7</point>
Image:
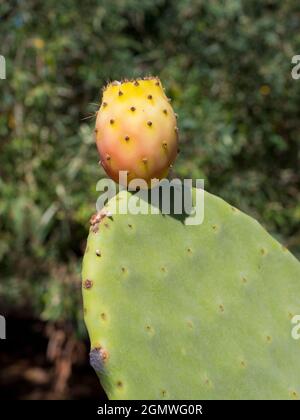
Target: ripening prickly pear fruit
<point>136,130</point>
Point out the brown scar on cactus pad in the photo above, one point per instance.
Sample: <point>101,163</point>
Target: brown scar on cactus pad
<point>135,112</point>
<point>96,219</point>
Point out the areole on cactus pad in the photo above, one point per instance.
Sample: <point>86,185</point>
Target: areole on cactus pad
<point>136,130</point>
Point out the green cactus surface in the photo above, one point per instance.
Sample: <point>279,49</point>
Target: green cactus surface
<point>191,312</point>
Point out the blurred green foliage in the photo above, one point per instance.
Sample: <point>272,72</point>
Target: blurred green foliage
<point>227,67</point>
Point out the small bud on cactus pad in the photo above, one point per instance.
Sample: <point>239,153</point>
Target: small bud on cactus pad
<point>136,130</point>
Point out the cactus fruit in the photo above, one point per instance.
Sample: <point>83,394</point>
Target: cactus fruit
<point>191,312</point>
<point>136,130</point>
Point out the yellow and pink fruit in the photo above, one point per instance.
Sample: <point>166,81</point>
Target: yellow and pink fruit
<point>136,130</point>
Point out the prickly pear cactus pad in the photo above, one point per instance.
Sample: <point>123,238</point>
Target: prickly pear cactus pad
<point>191,312</point>
<point>136,130</point>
